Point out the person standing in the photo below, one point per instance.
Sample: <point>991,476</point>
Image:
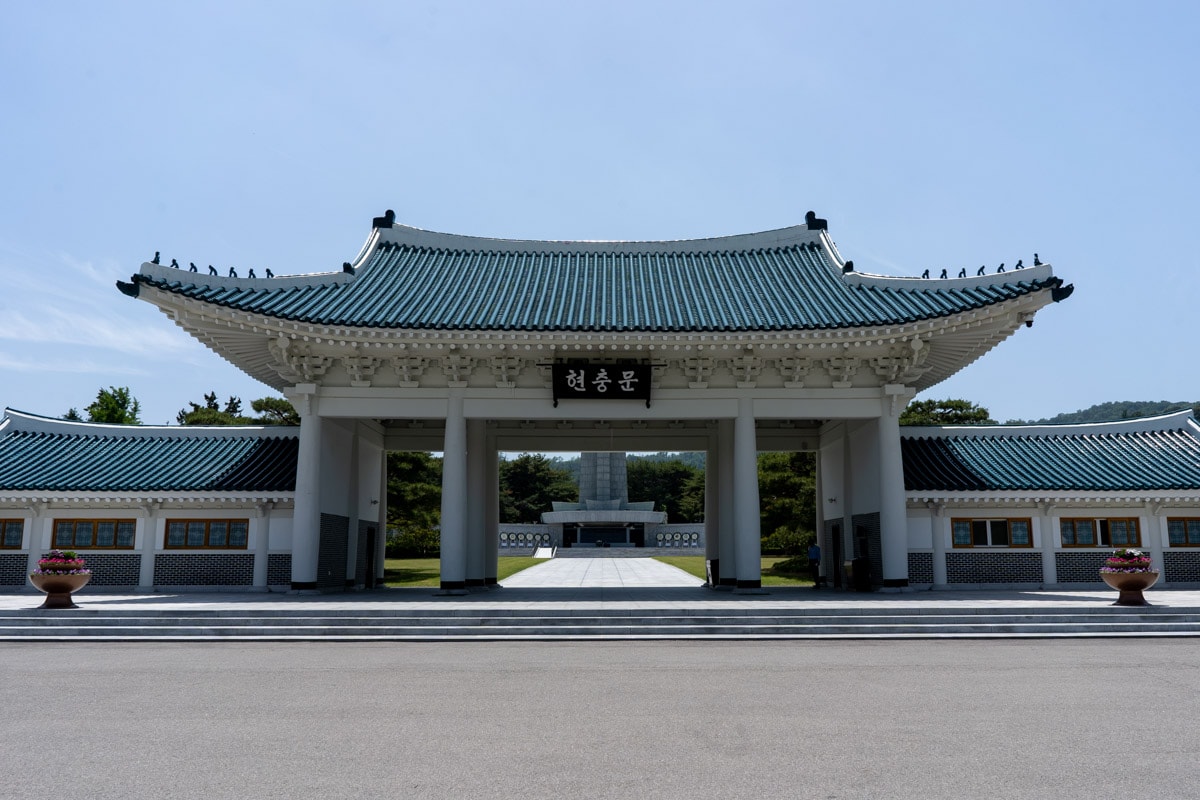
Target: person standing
<point>814,564</point>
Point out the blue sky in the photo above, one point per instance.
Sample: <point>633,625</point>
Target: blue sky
<point>929,134</point>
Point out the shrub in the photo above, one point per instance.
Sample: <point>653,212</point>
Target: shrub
<point>413,543</point>
<point>787,542</point>
<point>794,567</point>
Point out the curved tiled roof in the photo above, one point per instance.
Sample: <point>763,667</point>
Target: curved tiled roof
<point>41,454</point>
<point>409,279</point>
<point>1161,453</point>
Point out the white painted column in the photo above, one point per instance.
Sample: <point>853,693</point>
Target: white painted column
<point>353,498</point>
<point>491,502</point>
<point>747,519</point>
<point>39,534</point>
<point>819,518</point>
<point>725,516</point>
<point>381,538</point>
<point>1049,533</point>
<point>262,542</point>
<point>153,532</point>
<point>893,522</point>
<point>1152,539</point>
<point>306,520</point>
<point>476,507</point>
<point>712,528</point>
<point>937,527</point>
<point>454,498</point>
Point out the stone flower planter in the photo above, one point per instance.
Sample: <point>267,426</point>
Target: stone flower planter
<point>1128,571</point>
<point>59,573</point>
<point>58,588</point>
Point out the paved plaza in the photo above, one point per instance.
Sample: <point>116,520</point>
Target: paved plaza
<point>570,573</point>
<point>1070,720</point>
<point>584,585</point>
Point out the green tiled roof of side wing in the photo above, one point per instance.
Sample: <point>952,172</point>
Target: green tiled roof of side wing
<point>41,454</point>
<point>1160,453</point>
<point>789,279</point>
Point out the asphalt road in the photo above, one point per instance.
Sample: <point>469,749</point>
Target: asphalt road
<point>955,719</point>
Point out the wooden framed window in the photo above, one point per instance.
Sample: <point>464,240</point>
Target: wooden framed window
<point>104,534</point>
<point>1183,531</point>
<point>12,532</point>
<point>207,534</point>
<point>1111,532</point>
<point>992,532</point>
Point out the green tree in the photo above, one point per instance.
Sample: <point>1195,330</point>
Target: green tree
<point>691,502</point>
<point>275,411</point>
<point>664,482</point>
<point>116,405</point>
<point>787,493</point>
<point>414,481</point>
<point>271,411</point>
<point>945,412</point>
<point>529,484</point>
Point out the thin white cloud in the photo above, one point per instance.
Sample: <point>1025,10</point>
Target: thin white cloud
<point>85,328</point>
<point>70,364</point>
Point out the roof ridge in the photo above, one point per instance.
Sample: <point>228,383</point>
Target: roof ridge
<point>23,422</point>
<point>1176,420</point>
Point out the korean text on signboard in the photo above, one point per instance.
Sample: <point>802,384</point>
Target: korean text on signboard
<point>602,382</point>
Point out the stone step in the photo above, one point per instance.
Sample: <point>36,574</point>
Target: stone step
<point>418,624</point>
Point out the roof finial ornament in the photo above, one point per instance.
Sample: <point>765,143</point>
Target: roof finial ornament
<point>155,259</point>
<point>251,274</point>
<point>925,274</point>
<point>943,276</point>
<point>232,272</point>
<point>814,224</point>
<point>174,263</point>
<point>211,270</point>
<point>1020,264</point>
<point>269,273</point>
<point>1037,262</point>
<point>962,273</point>
<point>191,266</point>
<point>848,267</point>
<point>980,271</point>
<point>1000,268</point>
<point>386,221</point>
<point>346,268</point>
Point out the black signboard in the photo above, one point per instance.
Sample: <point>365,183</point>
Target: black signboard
<point>586,381</point>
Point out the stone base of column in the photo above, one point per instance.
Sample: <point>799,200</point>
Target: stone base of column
<point>750,587</point>
<point>726,584</point>
<point>304,586</point>
<point>491,581</point>
<point>453,588</point>
<point>476,583</point>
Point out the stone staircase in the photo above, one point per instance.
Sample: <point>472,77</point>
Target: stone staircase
<point>309,622</point>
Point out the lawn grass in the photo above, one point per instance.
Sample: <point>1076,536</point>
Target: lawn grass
<point>694,565</point>
<point>418,572</point>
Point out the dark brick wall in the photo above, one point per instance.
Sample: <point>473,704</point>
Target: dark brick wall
<point>204,569</point>
<point>868,523</point>
<point>14,569</point>
<point>279,569</point>
<point>113,569</point>
<point>1181,566</point>
<point>964,566</point>
<point>331,558</point>
<point>920,567</point>
<point>1080,566</point>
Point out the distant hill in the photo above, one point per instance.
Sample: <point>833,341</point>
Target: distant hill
<point>1115,412</point>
